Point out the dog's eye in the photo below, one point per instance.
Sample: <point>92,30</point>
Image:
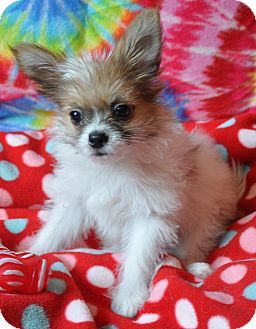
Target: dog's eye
<point>76,117</point>
<point>122,111</point>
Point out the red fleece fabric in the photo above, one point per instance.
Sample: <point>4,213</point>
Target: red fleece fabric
<point>76,292</point>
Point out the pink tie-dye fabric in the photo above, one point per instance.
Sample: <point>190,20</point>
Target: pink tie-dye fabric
<point>209,56</point>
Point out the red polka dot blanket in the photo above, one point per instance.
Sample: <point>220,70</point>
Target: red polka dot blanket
<point>69,289</point>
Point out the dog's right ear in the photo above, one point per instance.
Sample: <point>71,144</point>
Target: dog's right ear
<point>140,46</point>
<point>40,65</point>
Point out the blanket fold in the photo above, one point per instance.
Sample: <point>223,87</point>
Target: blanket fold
<point>76,292</point>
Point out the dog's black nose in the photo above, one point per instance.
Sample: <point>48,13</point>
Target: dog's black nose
<point>97,139</point>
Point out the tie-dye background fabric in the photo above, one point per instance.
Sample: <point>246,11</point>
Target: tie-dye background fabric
<point>208,58</point>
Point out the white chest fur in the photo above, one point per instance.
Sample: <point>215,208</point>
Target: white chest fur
<point>114,196</point>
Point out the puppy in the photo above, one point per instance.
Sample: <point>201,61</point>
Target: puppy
<point>125,166</point>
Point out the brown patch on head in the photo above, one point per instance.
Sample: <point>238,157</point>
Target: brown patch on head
<point>92,84</point>
<point>145,121</point>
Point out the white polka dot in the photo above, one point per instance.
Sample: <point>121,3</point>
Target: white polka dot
<point>147,318</point>
<point>100,276</point>
<point>185,314</point>
<point>247,219</point>
<point>35,134</point>
<point>68,260</point>
<point>32,159</point>
<point>247,240</point>
<point>254,126</point>
<point>158,291</point>
<point>233,273</point>
<point>252,192</point>
<point>5,198</point>
<point>16,139</point>
<point>3,214</point>
<point>220,261</point>
<point>77,311</point>
<point>247,137</point>
<point>218,322</point>
<point>47,185</point>
<point>220,296</point>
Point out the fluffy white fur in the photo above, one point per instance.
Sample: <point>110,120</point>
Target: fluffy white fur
<point>167,193</point>
<point>176,195</point>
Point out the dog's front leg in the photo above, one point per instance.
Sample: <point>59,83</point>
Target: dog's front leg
<point>146,240</point>
<point>64,223</point>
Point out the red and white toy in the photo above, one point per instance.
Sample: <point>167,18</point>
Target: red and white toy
<point>22,272</point>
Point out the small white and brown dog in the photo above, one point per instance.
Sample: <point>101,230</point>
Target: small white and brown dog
<point>125,166</point>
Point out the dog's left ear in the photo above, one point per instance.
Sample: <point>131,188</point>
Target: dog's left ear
<point>139,49</point>
<point>40,65</point>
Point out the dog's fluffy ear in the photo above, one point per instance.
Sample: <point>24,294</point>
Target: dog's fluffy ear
<point>140,46</point>
<point>40,65</point>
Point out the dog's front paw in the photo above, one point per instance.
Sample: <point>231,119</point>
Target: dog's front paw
<point>200,269</point>
<point>129,303</point>
<point>39,249</point>
<point>36,251</point>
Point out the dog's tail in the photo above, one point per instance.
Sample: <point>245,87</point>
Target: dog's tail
<point>239,178</point>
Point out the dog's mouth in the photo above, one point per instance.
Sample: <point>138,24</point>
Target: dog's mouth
<point>100,154</point>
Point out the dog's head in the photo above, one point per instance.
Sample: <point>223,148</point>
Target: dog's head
<point>107,101</point>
